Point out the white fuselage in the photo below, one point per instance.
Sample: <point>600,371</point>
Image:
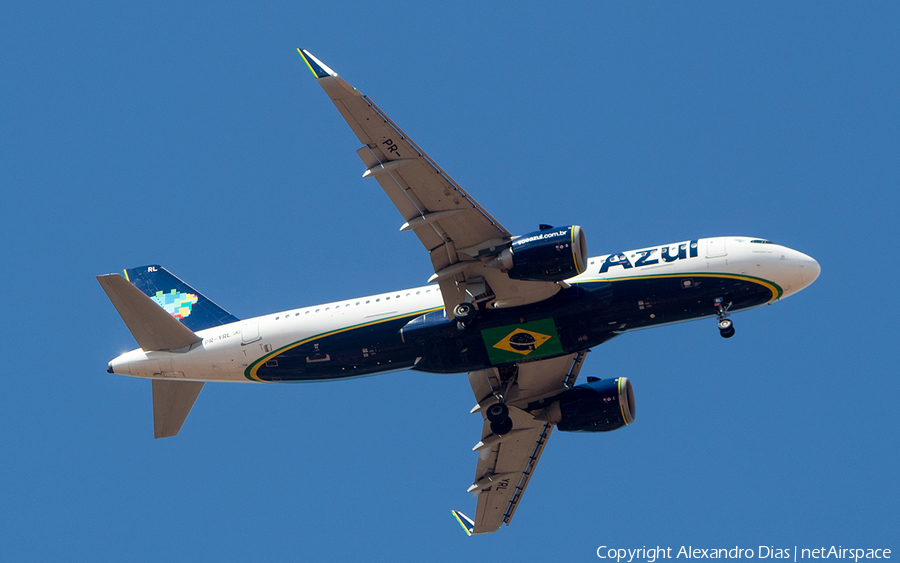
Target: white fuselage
<point>226,351</point>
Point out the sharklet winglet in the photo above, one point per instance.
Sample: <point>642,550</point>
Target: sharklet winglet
<point>318,68</point>
<point>467,523</point>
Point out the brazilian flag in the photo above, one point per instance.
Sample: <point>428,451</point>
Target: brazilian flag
<point>514,343</point>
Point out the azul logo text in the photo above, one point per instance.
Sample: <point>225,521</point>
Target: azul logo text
<point>650,256</point>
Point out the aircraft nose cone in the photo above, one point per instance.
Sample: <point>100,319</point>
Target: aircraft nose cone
<point>109,368</point>
<point>809,269</point>
<point>792,270</point>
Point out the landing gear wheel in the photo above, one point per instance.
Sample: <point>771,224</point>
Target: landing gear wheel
<point>498,415</point>
<point>726,328</point>
<point>465,312</point>
<point>498,412</point>
<point>501,428</point>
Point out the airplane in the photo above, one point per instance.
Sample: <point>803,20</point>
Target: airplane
<point>517,313</point>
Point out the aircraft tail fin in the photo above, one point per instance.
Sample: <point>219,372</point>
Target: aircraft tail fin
<point>162,313</point>
<point>151,326</point>
<point>193,309</point>
<point>172,402</point>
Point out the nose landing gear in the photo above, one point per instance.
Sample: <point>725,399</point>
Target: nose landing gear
<point>726,327</point>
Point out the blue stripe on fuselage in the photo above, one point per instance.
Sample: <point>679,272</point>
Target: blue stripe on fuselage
<point>585,315</point>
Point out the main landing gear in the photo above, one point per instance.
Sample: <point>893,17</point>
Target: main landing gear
<point>498,415</point>
<point>726,327</point>
<point>465,314</point>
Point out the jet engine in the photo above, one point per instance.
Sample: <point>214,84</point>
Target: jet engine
<point>600,405</point>
<point>551,254</point>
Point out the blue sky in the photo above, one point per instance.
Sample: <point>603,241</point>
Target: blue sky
<point>194,136</point>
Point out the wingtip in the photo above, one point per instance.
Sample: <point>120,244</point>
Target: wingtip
<point>467,523</point>
<point>318,68</point>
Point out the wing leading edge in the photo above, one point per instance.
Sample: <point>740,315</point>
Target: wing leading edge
<point>459,234</point>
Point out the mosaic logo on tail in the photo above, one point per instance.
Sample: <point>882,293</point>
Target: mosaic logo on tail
<point>176,304</point>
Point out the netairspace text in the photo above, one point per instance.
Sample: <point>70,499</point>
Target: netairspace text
<point>651,554</point>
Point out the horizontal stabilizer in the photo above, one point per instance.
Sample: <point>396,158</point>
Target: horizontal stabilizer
<point>172,402</point>
<point>151,325</point>
<point>467,523</point>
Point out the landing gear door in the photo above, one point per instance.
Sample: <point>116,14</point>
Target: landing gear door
<point>250,331</point>
<point>715,247</point>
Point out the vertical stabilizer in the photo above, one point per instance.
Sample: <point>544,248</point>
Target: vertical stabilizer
<point>152,327</point>
<point>192,308</point>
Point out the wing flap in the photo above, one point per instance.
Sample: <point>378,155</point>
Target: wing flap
<point>538,379</point>
<point>535,456</point>
<point>534,380</point>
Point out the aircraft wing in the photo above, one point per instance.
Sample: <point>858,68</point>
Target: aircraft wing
<point>460,235</point>
<point>506,463</point>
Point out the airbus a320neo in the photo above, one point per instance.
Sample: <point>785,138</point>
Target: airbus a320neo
<point>518,313</point>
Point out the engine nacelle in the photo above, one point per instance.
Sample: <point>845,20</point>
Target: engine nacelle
<point>600,405</point>
<point>547,255</point>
